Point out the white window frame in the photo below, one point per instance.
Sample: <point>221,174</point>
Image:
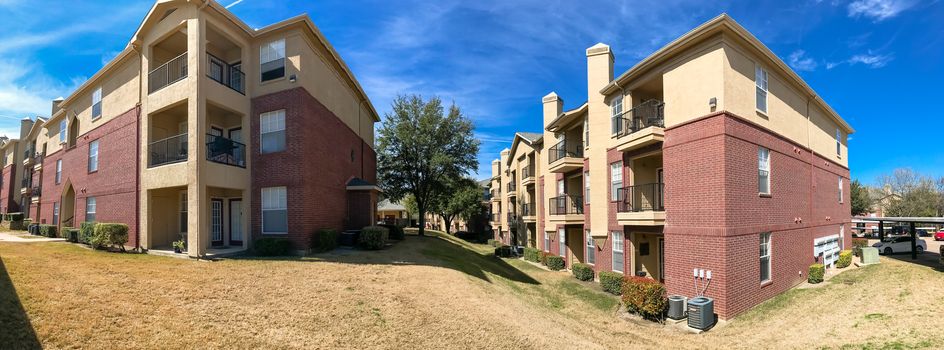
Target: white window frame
<point>616,110</point>
<point>617,238</point>
<point>97,100</point>
<point>55,213</point>
<point>765,242</point>
<point>590,254</point>
<point>616,179</point>
<point>586,132</point>
<point>763,165</point>
<point>838,143</point>
<point>562,242</point>
<point>58,171</point>
<point>279,206</point>
<point>547,242</point>
<point>840,190</point>
<point>269,52</point>
<point>761,83</point>
<point>269,123</point>
<point>93,156</point>
<point>63,130</point>
<point>586,187</point>
<point>91,202</point>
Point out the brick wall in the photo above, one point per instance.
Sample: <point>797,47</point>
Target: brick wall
<point>8,198</point>
<point>114,185</point>
<point>315,166</point>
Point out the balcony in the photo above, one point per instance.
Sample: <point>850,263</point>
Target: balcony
<point>226,74</point>
<point>511,189</point>
<point>527,175</point>
<point>496,195</point>
<point>641,126</point>
<point>28,157</point>
<point>167,151</point>
<point>566,208</point>
<point>494,218</point>
<point>36,191</point>
<point>641,204</point>
<point>512,219</point>
<point>38,161</point>
<point>225,151</point>
<point>167,73</point>
<point>565,156</point>
<point>528,212</point>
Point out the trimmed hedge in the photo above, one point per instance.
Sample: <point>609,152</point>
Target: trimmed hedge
<point>71,234</point>
<point>555,262</point>
<point>324,240</point>
<point>504,251</point>
<point>858,244</point>
<point>373,238</point>
<point>47,231</point>
<point>582,272</point>
<point>645,297</point>
<point>817,271</point>
<point>86,230</point>
<point>271,246</point>
<point>845,259</point>
<point>531,254</point>
<point>394,232</point>
<point>106,235</point>
<point>611,282</point>
<point>13,217</point>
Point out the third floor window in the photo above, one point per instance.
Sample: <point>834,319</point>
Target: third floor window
<point>272,60</point>
<point>97,103</point>
<point>760,80</point>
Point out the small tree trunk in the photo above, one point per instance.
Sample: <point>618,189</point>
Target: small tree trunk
<point>448,221</point>
<point>422,210</point>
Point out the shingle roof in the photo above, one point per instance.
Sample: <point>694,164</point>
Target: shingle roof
<point>531,136</point>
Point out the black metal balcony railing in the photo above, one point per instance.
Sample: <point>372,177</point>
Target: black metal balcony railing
<point>565,204</point>
<point>37,191</point>
<point>496,193</point>
<point>565,148</point>
<point>170,150</point>
<point>26,182</point>
<point>168,73</point>
<point>527,209</point>
<point>38,158</point>
<point>225,151</point>
<point>647,197</point>
<point>512,217</point>
<point>644,115</point>
<point>511,187</point>
<point>527,172</point>
<point>226,74</point>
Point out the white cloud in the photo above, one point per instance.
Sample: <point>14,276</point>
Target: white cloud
<point>878,10</point>
<point>799,61</point>
<point>871,60</point>
<point>234,3</point>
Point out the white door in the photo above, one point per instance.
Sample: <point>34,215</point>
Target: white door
<point>236,134</point>
<point>562,248</point>
<point>216,220</point>
<point>235,221</point>
<point>560,187</point>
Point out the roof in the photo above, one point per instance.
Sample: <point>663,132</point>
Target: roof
<point>530,138</point>
<point>909,219</point>
<point>566,117</point>
<point>704,31</point>
<point>387,205</point>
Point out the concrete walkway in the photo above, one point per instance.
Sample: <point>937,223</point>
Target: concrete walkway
<point>20,237</point>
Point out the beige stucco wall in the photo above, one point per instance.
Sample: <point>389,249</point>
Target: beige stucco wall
<point>553,105</point>
<point>599,73</point>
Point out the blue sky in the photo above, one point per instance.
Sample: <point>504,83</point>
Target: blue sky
<point>877,62</point>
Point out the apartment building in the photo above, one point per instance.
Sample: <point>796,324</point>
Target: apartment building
<point>710,155</point>
<point>206,130</point>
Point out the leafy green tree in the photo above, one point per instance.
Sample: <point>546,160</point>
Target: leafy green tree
<point>918,194</point>
<point>861,202</point>
<point>409,203</point>
<point>420,148</point>
<point>462,199</point>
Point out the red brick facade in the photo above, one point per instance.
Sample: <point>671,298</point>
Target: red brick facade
<point>114,185</point>
<point>322,154</point>
<point>9,191</point>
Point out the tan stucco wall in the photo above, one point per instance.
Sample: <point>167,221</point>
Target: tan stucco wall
<point>599,73</point>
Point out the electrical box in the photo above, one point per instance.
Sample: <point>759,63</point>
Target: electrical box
<point>869,255</point>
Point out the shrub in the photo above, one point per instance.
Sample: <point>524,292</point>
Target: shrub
<point>324,240</point>
<point>555,262</point>
<point>504,251</point>
<point>858,244</point>
<point>13,217</point>
<point>71,234</point>
<point>86,230</point>
<point>582,272</point>
<point>394,232</point>
<point>611,282</point>
<point>373,238</point>
<point>531,254</point>
<point>542,256</point>
<point>644,296</point>
<point>106,235</point>
<point>817,271</point>
<point>270,246</point>
<point>48,231</point>
<point>491,242</point>
<point>845,259</point>
<point>17,221</point>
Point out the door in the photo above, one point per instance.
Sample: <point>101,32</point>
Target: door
<point>661,260</point>
<point>561,244</point>
<point>182,217</point>
<point>236,134</point>
<point>235,221</point>
<point>216,221</point>
<point>239,150</point>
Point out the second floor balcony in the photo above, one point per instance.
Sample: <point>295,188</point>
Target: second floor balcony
<point>565,156</point>
<point>496,195</point>
<point>641,204</point>
<point>225,151</point>
<point>511,189</point>
<point>640,126</point>
<point>567,208</point>
<point>527,175</point>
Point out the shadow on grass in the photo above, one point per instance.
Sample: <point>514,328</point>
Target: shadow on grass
<point>434,249</point>
<point>929,259</point>
<point>16,332</point>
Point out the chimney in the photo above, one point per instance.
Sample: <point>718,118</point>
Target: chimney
<point>25,125</point>
<point>553,107</point>
<point>599,71</point>
<point>55,105</point>
<point>496,167</point>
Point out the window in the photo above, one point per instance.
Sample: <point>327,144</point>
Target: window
<point>90,209</point>
<point>55,213</point>
<point>616,180</point>
<point>274,210</point>
<point>616,112</point>
<point>763,170</point>
<point>764,257</point>
<point>840,190</point>
<point>561,242</point>
<point>97,103</point>
<point>617,238</point>
<point>62,131</point>
<point>591,249</point>
<point>272,131</point>
<point>93,156</point>
<point>760,79</point>
<point>272,59</point>
<point>586,187</point>
<point>586,132</point>
<point>547,241</point>
<point>58,171</point>
<point>838,142</point>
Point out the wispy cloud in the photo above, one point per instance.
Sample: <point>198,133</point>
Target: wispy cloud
<point>234,3</point>
<point>799,61</point>
<point>878,10</point>
<point>870,60</point>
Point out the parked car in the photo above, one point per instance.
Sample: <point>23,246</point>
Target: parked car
<point>939,236</point>
<point>899,244</point>
<point>923,233</point>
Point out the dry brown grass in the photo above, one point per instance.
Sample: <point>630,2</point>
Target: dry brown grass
<point>427,292</point>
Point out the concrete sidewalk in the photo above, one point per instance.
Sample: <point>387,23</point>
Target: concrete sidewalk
<point>14,236</point>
